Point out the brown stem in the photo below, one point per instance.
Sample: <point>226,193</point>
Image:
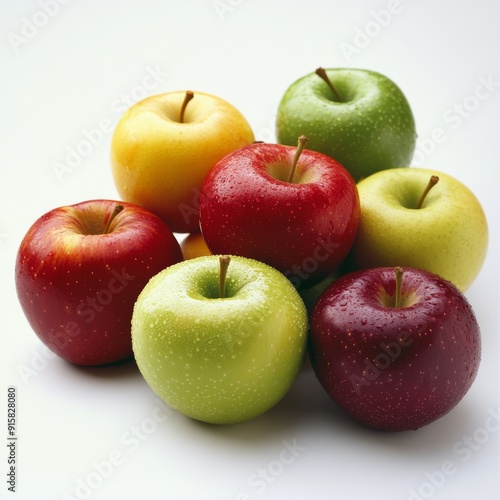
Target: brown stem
<point>432,182</point>
<point>302,141</point>
<point>189,95</point>
<point>116,211</point>
<point>398,274</point>
<point>224,264</point>
<point>322,74</point>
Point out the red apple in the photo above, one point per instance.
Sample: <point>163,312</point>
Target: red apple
<point>79,271</point>
<point>294,209</point>
<point>396,349</point>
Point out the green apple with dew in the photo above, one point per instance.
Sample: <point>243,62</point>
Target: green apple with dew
<point>360,118</point>
<point>422,218</point>
<point>220,339</point>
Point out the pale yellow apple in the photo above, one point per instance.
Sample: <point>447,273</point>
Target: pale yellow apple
<point>160,162</point>
<point>448,235</point>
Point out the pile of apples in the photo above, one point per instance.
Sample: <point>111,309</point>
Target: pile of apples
<point>324,244</point>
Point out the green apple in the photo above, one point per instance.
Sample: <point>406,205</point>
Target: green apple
<point>405,223</point>
<point>358,117</point>
<point>220,348</point>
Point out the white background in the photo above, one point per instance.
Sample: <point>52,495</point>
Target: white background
<point>69,69</point>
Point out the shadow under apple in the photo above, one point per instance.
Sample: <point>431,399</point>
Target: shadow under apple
<point>126,368</point>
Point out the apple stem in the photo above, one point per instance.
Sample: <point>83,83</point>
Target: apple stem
<point>189,95</point>
<point>398,274</point>
<point>224,264</point>
<point>321,72</point>
<point>432,182</point>
<point>300,147</point>
<point>116,211</point>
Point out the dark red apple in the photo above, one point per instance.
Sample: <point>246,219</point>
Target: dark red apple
<point>79,271</point>
<point>396,349</point>
<point>294,209</point>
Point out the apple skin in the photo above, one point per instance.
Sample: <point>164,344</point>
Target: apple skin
<point>77,286</point>
<point>160,163</point>
<point>373,128</point>
<point>394,369</point>
<point>310,296</point>
<point>447,236</point>
<point>194,245</point>
<point>304,229</point>
<point>220,360</point>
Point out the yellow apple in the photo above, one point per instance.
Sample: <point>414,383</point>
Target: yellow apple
<point>193,246</point>
<point>163,147</point>
<point>406,223</point>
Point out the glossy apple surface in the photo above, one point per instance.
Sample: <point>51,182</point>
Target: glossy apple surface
<point>448,235</point>
<point>394,368</point>
<point>77,281</point>
<point>304,228</point>
<point>368,127</point>
<point>159,161</point>
<point>220,360</point>
<point>194,245</point>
